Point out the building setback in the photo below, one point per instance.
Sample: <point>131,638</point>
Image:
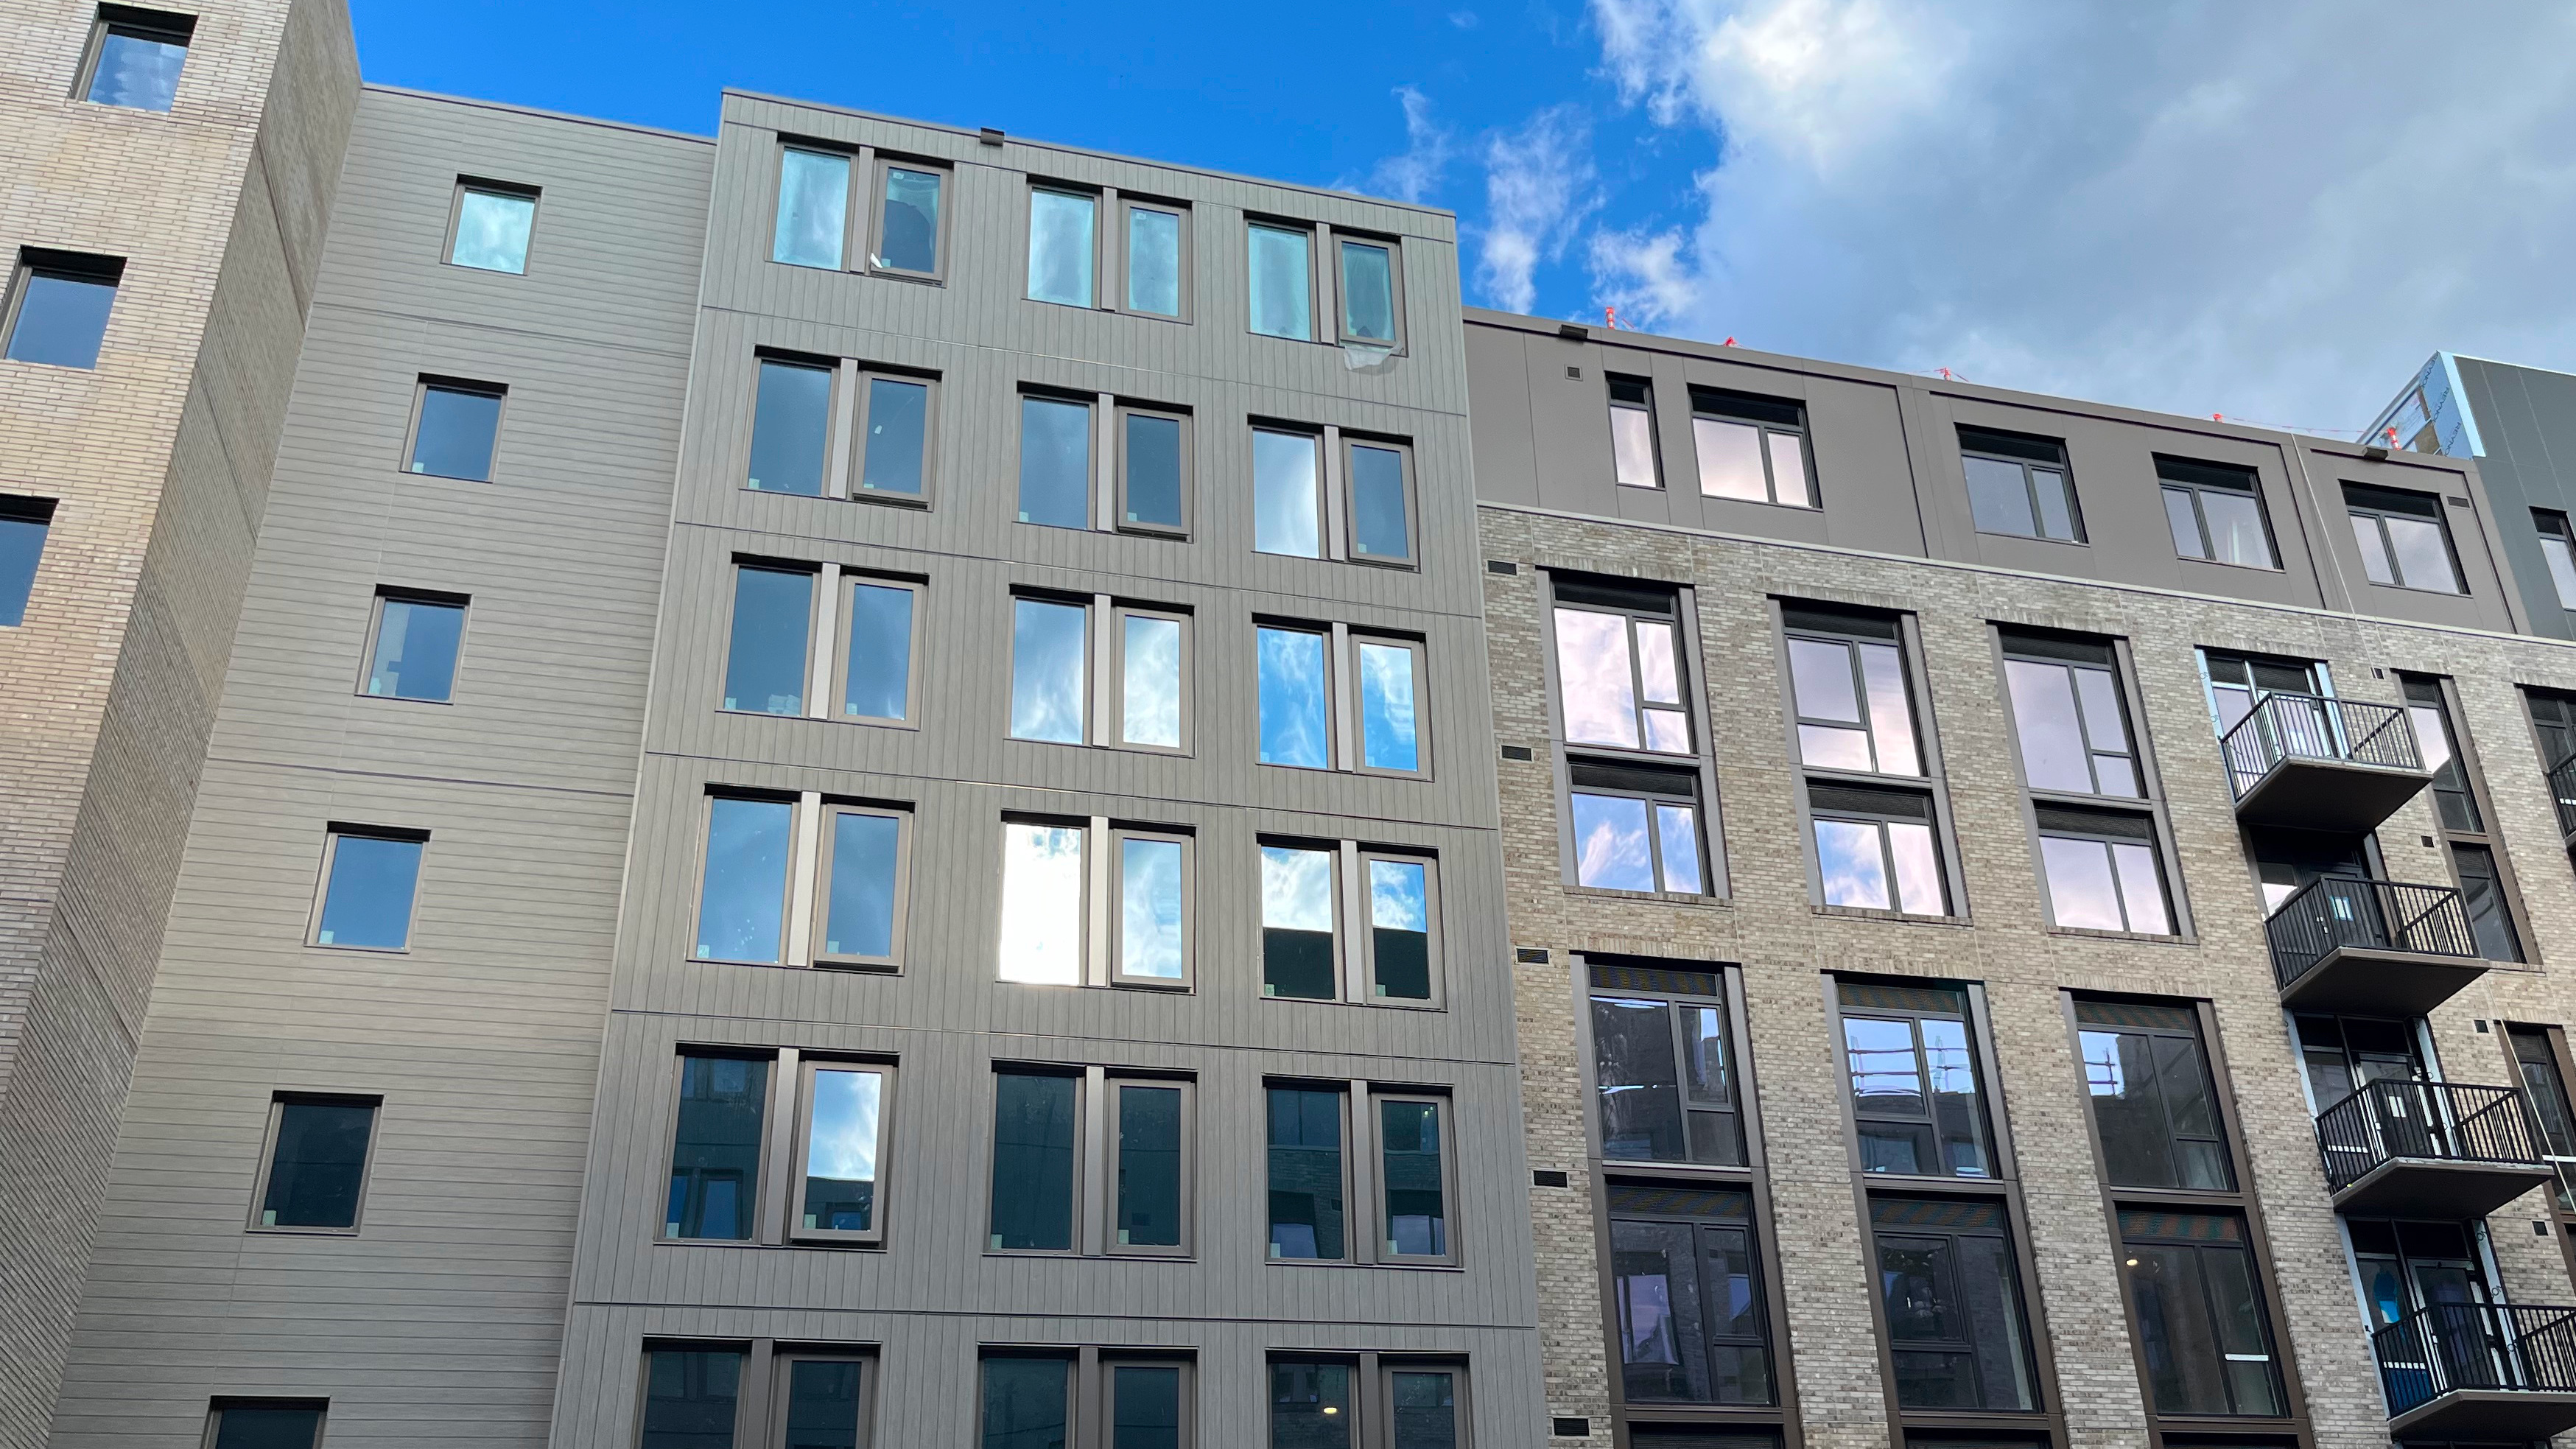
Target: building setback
<point>871,784</point>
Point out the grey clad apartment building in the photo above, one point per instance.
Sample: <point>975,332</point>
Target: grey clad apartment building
<point>865,784</point>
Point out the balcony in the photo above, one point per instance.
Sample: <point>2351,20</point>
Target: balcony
<point>2372,947</point>
<point>2321,764</point>
<point>2562,792</point>
<point>2405,1149</point>
<point>2479,1371</point>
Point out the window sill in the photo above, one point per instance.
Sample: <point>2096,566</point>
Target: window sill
<point>403,698</point>
<point>1872,913</point>
<point>1347,1264</point>
<point>2035,538</point>
<point>406,472</point>
<point>2220,563</point>
<point>365,950</point>
<point>284,1232</point>
<point>1808,508</point>
<point>2149,938</point>
<point>2411,589</point>
<point>1340,1001</point>
<point>1656,1167</point>
<point>1670,898</point>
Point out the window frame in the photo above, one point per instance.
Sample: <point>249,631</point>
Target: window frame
<point>1354,694</point>
<point>1113,688</point>
<point>465,185</point>
<point>2375,515</point>
<point>765,358</point>
<point>1765,1300</point>
<point>166,27</point>
<point>1091,1393</point>
<point>87,267</point>
<point>1341,474</point>
<point>422,386</point>
<point>1611,383</point>
<point>1094,1184</point>
<point>274,1126</point>
<point>2154,843</point>
<point>1337,889</point>
<point>761,1210</point>
<point>463,604</point>
<point>853,214</point>
<point>816,575</point>
<point>1944,856</point>
<point>2230,1159</point>
<point>1315,439</point>
<point>850,480</point>
<point>787,913</point>
<point>2173,482</point>
<point>838,684</point>
<point>827,815</point>
<point>1594,985</point>
<point>786,1105</point>
<point>783,1359</point>
<point>747,1387</point>
<point>1099,949</point>
<point>1446,1115</point>
<point>1654,829</point>
<point>1189,470</point>
<point>1900,638</point>
<point>1320,289</point>
<point>1115,1081</point>
<point>1639,705</point>
<point>216,1407</point>
<point>2269,1320</point>
<point>1710,405</point>
<point>1976,1028</point>
<point>1366,943</point>
<point>2064,467</point>
<point>1355,1212</point>
<point>1090,405</point>
<point>26,509</point>
<point>2554,528</point>
<point>2014,1232</point>
<point>1372,1387</point>
<point>1031,186</point>
<point>1116,909</point>
<point>879,166</point>
<point>332,833</point>
<point>2015,645</point>
<point>1393,246</point>
<point>1187,273</point>
<point>800,1132</point>
<point>1085,957</point>
<point>2482,835</point>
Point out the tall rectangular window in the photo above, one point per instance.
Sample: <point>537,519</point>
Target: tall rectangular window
<point>2154,1107</point>
<point>1636,828</point>
<point>457,428</point>
<point>1153,471</point>
<point>1401,903</point>
<point>1055,462</point>
<point>1147,1405</point>
<point>2473,849</point>
<point>1308,1177</point>
<point>742,899</point>
<point>1686,1284</point>
<point>864,865</point>
<point>765,651</point>
<point>1620,674</point>
<point>1381,500</point>
<point>1370,293</point>
<point>1753,449</point>
<point>1281,274</point>
<point>1877,850</point>
<point>1043,880</point>
<point>493,224</point>
<point>823,1399</point>
<point>2430,716</point>
<point>2102,870</point>
<point>1152,926</point>
<point>264,1424</point>
<point>1917,1104</point>
<point>1151,1172</point>
<point>1663,1077</point>
<point>2401,537</point>
<point>58,307</point>
<point>2200,1321</point>
<point>1151,698</point>
<point>2216,512</point>
<point>813,208</point>
<point>1049,666</point>
<point>1034,1161</point>
<point>135,57</point>
<point>24,524</point>
<point>2544,1087</point>
<point>691,1398</point>
<point>2558,551</point>
<point>1952,1297</point>
<point>1847,678</point>
<point>1633,457</point>
<point>1287,494</point>
<point>1063,245</point>
<point>894,438</point>
<point>1028,1401</point>
<point>317,1162</point>
<point>1413,1174</point>
<point>1157,258</point>
<point>1390,680</point>
<point>412,654</point>
<point>1295,697</point>
<point>791,426</point>
<point>2019,484</point>
<point>2068,715</point>
<point>369,881</point>
<point>841,1140</point>
<point>1312,1405</point>
<point>715,1148</point>
<point>909,231</point>
<point>877,667</point>
<point>1299,955</point>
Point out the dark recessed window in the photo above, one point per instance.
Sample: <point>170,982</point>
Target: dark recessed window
<point>690,1397</point>
<point>135,57</point>
<point>1308,1176</point>
<point>24,524</point>
<point>2019,484</point>
<point>1662,1070</point>
<point>1688,1281</point>
<point>264,1424</point>
<point>459,424</point>
<point>59,307</point>
<point>2200,1320</point>
<point>2153,1106</point>
<point>715,1148</point>
<point>317,1162</point>
<point>2216,512</point>
<point>413,655</point>
<point>1028,1401</point>
<point>1153,471</point>
<point>1952,1296</point>
<point>1916,1099</point>
<point>1034,1162</point>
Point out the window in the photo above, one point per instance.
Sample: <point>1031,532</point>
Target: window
<point>1049,663</point>
<point>2102,871</point>
<point>1371,292</point>
<point>894,437</point>
<point>742,900</point>
<point>765,657</point>
<point>1044,1160</point>
<point>840,1141</point>
<point>1314,1137</point>
<point>2401,538</point>
<point>1146,921</point>
<point>1636,828</point>
<point>822,1399</point>
<point>2200,1321</point>
<point>865,871</point>
<point>316,1165</point>
<point>791,425</point>
<point>1295,697</point>
<point>1157,258</point>
<point>1087,1398</point>
<point>1052,664</point>
<point>59,306</point>
<point>1366,1401</point>
<point>1373,493</point>
<point>1376,683</point>
<point>1686,1280</point>
<point>1043,880</point>
<point>2558,550</point>
<point>492,226</point>
<point>878,666</point>
<point>369,878</point>
<point>1751,448</point>
<point>135,57</point>
<point>1153,471</point>
<point>715,1148</point>
<point>1917,1103</point>
<point>2482,892</point>
<point>2068,715</point>
<point>2430,715</point>
<point>1875,850</point>
<point>1951,1293</point>
<point>1028,1400</point>
<point>2485,883</point>
<point>457,426</point>
<point>813,208</point>
<point>904,213</point>
<point>1398,960</point>
<point>1309,1180</point>
<point>2216,512</point>
<point>908,219</point>
<point>1381,500</point>
<point>2154,1109</point>
<point>1055,462</point>
<point>691,1397</point>
<point>825,1186</point>
<point>24,524</point>
<point>1287,494</point>
<point>1632,433</point>
<point>1413,1168</point>
<point>1153,926</point>
<point>1619,668</point>
<point>1299,939</point>
<point>1663,1076</point>
<point>1152,1166</point>
<point>1064,245</point>
<point>265,1424</point>
<point>2019,484</point>
<point>2239,682</point>
<point>1402,903</point>
<point>1281,273</point>
<point>411,653</point>
<point>1847,676</point>
<point>1389,675</point>
<point>2535,1060</point>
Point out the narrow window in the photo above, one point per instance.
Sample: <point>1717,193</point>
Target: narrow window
<point>1287,502</point>
<point>1033,1162</point>
<point>1153,472</point>
<point>1390,677</point>
<point>813,208</point>
<point>460,423</point>
<point>863,875</point>
<point>59,317</point>
<point>1153,924</point>
<point>1424,1407</point>
<point>1042,903</point>
<point>765,654</point>
<point>1855,708</point>
<point>259,1424</point>
<point>135,58</point>
<point>2153,1106</point>
<point>1150,648</point>
<point>1281,273</point>
<point>1751,448</point>
<point>1686,1282</point>
<point>413,655</point>
<point>715,1148</point>
<point>1632,433</point>
<point>2019,485</point>
<point>1663,1078</point>
<point>1368,291</point>
<point>894,439</point>
<point>24,525</point>
<point>791,425</point>
<point>1048,665</point>
<point>1307,1176</point>
<point>1875,850</point>
<point>1145,1406</point>
<point>1298,955</point>
<point>1381,503</point>
<point>1154,264</point>
<point>493,224</point>
<point>1149,1170</point>
<point>1055,462</point>
<point>823,1400</point>
<point>1311,1405</point>
<point>2431,719</point>
<point>1953,1302</point>
<point>368,887</point>
<point>2200,1321</point>
<point>742,903</point>
<point>2535,1059</point>
<point>1028,1402</point>
<point>1916,1101</point>
<point>1413,1175</point>
<point>1619,669</point>
<point>876,674</point>
<point>691,1396</point>
<point>2401,538</point>
<point>2102,871</point>
<point>2482,894</point>
<point>2216,512</point>
<point>2558,550</point>
<point>908,220</point>
<point>1296,724</point>
<point>317,1161</point>
<point>1062,246</point>
<point>1636,829</point>
<point>1400,936</point>
<point>844,1141</point>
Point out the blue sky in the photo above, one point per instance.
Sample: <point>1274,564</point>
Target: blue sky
<point>2195,207</point>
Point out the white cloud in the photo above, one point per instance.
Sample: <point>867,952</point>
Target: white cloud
<point>1465,19</point>
<point>1414,175</point>
<point>1538,192</point>
<point>2270,211</point>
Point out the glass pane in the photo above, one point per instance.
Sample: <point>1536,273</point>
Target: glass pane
<point>2056,509</point>
<point>898,429</point>
<point>823,1404</point>
<point>2241,1334</point>
<point>1654,1283</point>
<point>1426,1409</point>
<point>456,430</point>
<point>1955,1109</point>
<point>1634,1073</point>
<point>415,654</point>
<point>1820,677</point>
<point>2236,529</point>
<point>2128,1109</point>
<point>2100,697</point>
<point>1368,292</point>
<point>1297,923</point>
<point>1283,495</point>
<point>2423,559</point>
<point>2141,888</point>
<point>1282,283</point>
<point>1992,1308</point>
<point>1380,527</point>
<point>1033,1162</point>
<point>1789,470</point>
<point>791,428</point>
<point>715,1150</point>
<point>1632,446</point>
<point>2374,553</point>
<point>1060,247</point>
<point>61,321</point>
<point>689,1398</point>
<point>315,1170</point>
<point>2562,567</point>
<point>743,905</point>
<point>1730,460</point>
<point>2174,1330</point>
<point>1594,678</point>
<point>1144,1407</point>
<point>1042,904</point>
<point>492,230</point>
<point>813,208</point>
<point>773,615</point>
<point>1849,860</point>
<point>1610,846</point>
<point>841,1151</point>
<point>1891,714</point>
<point>1400,929</point>
<point>1295,729</point>
<point>1918,869</point>
<point>1831,748</point>
<point>1886,1074</point>
<point>136,69</point>
<point>1310,1406</point>
<point>1150,941</point>
<point>2184,523</point>
<point>1657,664</point>
<point>368,902</point>
<point>2080,889</point>
<point>1388,740</point>
<point>1047,670</point>
<point>911,240</point>
<point>1149,1167</point>
<point>22,545</point>
<point>2045,720</point>
<point>1305,1173</point>
<point>1677,847</point>
<point>1153,493</point>
<point>1999,498</point>
<point>1055,463</point>
<point>866,856</point>
<point>1668,731</point>
<point>1153,262</point>
<point>879,670</point>
<point>1150,712</point>
<point>1417,1214</point>
<point>1026,1403</point>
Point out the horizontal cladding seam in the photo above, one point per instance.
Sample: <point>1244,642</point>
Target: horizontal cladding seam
<point>649,1013</point>
<point>1490,1325</point>
<point>467,324</point>
<point>214,759</point>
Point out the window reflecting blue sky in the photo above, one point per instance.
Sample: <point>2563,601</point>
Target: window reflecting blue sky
<point>1149,925</point>
<point>1042,904</point>
<point>1295,722</point>
<point>1046,671</point>
<point>1296,889</point>
<point>1388,740</point>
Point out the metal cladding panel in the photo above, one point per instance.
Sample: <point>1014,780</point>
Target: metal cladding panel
<point>2526,416</point>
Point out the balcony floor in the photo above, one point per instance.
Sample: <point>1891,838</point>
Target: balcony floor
<point>2517,1415</point>
<point>2369,981</point>
<point>2311,794</point>
<point>2429,1187</point>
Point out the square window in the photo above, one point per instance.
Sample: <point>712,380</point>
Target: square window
<point>691,1397</point>
<point>866,876</point>
<point>493,224</point>
<point>2018,484</point>
<point>1044,899</point>
<point>715,1148</point>
<point>1064,246</point>
<point>265,1424</point>
<point>1381,501</point>
<point>2101,871</point>
<point>316,1164</point>
<point>1153,472</point>
<point>813,208</point>
<point>1371,292</point>
<point>1309,1179</point>
<point>1632,433</point>
<point>1036,1161</point>
<point>1055,462</point>
<point>1287,494</point>
<point>2402,539</point>
<point>896,452</point>
<point>59,304</point>
<point>823,1399</point>
<point>456,428</point>
<point>742,901</point>
<point>1027,1401</point>
<point>841,1147</point>
<point>2216,512</point>
<point>369,879</point>
<point>1300,946</point>
<point>1157,258</point>
<point>1751,448</point>
<point>791,427</point>
<point>1281,272</point>
<point>135,58</point>
<point>416,639</point>
<point>765,651</point>
<point>884,650</point>
<point>910,220</point>
<point>24,525</point>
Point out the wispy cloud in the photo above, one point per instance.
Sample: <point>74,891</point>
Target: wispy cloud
<point>1538,193</point>
<point>1415,174</point>
<point>1465,19</point>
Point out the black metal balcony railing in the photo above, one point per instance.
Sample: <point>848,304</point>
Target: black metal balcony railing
<point>2488,1347</point>
<point>2383,915</point>
<point>2312,727</point>
<point>2448,1121</point>
<point>2562,789</point>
